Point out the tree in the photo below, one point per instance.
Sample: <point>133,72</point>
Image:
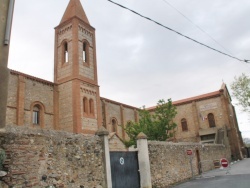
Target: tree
<point>157,126</point>
<point>241,91</point>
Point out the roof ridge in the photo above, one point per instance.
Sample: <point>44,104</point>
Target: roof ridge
<point>31,77</point>
<point>190,99</point>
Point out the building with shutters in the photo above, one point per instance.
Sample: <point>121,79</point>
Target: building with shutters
<point>72,102</point>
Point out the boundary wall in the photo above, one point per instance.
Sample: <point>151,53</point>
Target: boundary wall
<point>43,158</point>
<point>169,162</point>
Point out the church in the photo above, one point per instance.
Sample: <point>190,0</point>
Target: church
<point>73,103</point>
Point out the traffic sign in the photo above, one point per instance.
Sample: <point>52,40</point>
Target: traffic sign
<point>189,152</point>
<point>224,162</point>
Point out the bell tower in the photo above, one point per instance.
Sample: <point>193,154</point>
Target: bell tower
<point>75,72</point>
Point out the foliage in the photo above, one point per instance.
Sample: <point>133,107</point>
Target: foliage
<point>157,126</point>
<point>241,91</point>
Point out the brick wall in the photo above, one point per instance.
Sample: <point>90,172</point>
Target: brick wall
<point>88,121</point>
<point>120,112</point>
<point>65,107</point>
<point>64,69</point>
<point>12,100</point>
<point>86,70</point>
<point>193,113</point>
<point>39,158</point>
<point>169,162</point>
<point>37,91</point>
<point>25,90</point>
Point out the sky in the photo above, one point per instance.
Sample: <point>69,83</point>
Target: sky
<point>140,62</point>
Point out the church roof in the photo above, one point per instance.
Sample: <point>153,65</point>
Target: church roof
<point>198,98</point>
<point>14,72</point>
<point>74,9</point>
<point>191,99</point>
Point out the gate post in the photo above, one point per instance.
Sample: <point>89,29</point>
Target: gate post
<point>143,160</point>
<point>103,134</point>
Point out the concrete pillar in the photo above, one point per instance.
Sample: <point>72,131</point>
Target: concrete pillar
<point>4,53</point>
<point>103,134</point>
<point>143,159</point>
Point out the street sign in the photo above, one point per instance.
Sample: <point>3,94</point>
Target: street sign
<point>189,152</point>
<point>224,162</point>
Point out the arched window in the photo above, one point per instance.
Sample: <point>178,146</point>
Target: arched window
<point>91,107</point>
<point>211,120</point>
<point>85,106</point>
<point>65,53</point>
<point>85,52</point>
<point>184,125</point>
<point>114,125</point>
<point>36,115</point>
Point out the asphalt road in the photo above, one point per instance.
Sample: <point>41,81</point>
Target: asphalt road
<point>237,176</point>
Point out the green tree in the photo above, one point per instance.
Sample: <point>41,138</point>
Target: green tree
<point>241,91</point>
<point>157,126</point>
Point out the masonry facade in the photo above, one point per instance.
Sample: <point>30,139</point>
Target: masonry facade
<point>208,118</point>
<point>72,102</point>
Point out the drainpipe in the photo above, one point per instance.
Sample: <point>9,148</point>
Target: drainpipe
<point>6,14</point>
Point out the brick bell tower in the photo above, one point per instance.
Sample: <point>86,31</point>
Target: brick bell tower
<point>75,73</point>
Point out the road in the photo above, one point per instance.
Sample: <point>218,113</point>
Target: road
<point>237,176</point>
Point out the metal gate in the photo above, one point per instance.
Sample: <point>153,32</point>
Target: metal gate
<point>124,170</point>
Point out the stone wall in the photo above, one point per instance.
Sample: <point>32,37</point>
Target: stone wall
<point>170,164</point>
<point>41,158</point>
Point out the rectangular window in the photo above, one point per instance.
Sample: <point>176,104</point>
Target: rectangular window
<point>84,56</point>
<point>35,117</point>
<point>66,57</point>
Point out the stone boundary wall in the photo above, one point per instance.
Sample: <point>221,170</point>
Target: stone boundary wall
<point>42,158</point>
<point>169,162</point>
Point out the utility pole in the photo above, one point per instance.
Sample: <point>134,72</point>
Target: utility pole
<point>6,15</point>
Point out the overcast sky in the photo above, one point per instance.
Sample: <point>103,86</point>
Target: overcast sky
<point>140,62</point>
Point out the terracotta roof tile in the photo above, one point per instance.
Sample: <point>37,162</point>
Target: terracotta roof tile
<point>191,99</point>
<point>197,98</point>
<point>32,77</point>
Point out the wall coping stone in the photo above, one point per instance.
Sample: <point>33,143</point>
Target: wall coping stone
<point>102,131</point>
<point>25,130</point>
<point>183,143</point>
<point>141,135</point>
